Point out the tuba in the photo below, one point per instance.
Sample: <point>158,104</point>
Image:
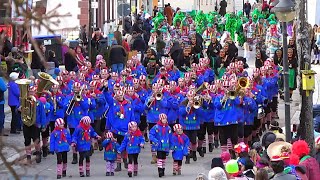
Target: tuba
<point>27,102</point>
<point>197,102</point>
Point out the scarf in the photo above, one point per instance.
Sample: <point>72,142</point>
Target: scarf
<point>62,135</point>
<point>136,133</point>
<point>85,131</point>
<point>109,146</point>
<point>179,136</point>
<point>163,127</point>
<point>124,102</point>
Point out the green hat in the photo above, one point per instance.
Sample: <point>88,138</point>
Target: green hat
<point>209,25</point>
<point>272,22</point>
<point>232,166</point>
<point>153,30</point>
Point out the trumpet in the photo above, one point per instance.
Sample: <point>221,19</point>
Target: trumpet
<point>76,98</point>
<point>54,104</point>
<point>197,102</point>
<point>223,101</point>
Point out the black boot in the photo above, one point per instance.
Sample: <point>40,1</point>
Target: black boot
<point>135,173</point>
<point>58,176</point>
<point>216,143</point>
<point>107,173</point>
<point>91,150</point>
<point>88,173</point>
<point>211,147</point>
<point>29,160</point>
<point>146,138</point>
<point>129,173</point>
<point>125,162</point>
<point>64,173</point>
<point>160,172</point>
<point>204,150</point>
<point>81,174</point>
<point>313,61</point>
<point>187,159</point>
<point>194,155</point>
<point>118,167</point>
<point>199,149</point>
<point>45,151</point>
<point>74,158</point>
<point>38,157</point>
<point>112,174</point>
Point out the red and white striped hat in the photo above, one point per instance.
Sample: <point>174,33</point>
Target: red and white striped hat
<point>232,65</point>
<point>109,135</point>
<point>65,72</point>
<point>83,68</point>
<point>240,63</point>
<point>207,61</point>
<point>105,71</point>
<point>173,83</point>
<point>142,77</point>
<point>181,80</point>
<point>226,83</point>
<point>120,93</point>
<point>224,77</point>
<point>160,81</point>
<point>317,140</point>
<point>192,87</point>
<point>85,86</point>
<point>217,81</point>
<point>187,75</point>
<point>155,85</point>
<point>130,62</point>
<point>72,73</point>
<point>212,87</point>
<point>191,93</point>
<point>123,72</point>
<point>88,63</point>
<point>86,120</point>
<point>93,83</point>
<point>59,78</point>
<point>132,124</point>
<point>33,88</point>
<point>81,75</point>
<point>166,61</point>
<point>130,88</point>
<point>135,81</point>
<point>59,122</point>
<point>76,84</point>
<point>176,127</point>
<point>202,64</point>
<point>267,63</point>
<point>250,78</point>
<point>113,74</point>
<point>95,77</point>
<point>201,60</point>
<point>117,85</point>
<point>128,70</point>
<point>123,88</point>
<point>194,65</point>
<point>167,87</point>
<point>37,81</point>
<point>99,57</point>
<point>162,116</point>
<point>263,68</point>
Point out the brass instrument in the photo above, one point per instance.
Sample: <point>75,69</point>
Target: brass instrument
<point>76,98</point>
<point>149,103</point>
<point>159,96</point>
<point>28,103</point>
<point>105,114</point>
<point>223,101</point>
<point>197,102</point>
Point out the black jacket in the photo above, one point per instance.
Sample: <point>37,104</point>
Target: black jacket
<point>70,62</point>
<point>138,44</point>
<point>117,54</point>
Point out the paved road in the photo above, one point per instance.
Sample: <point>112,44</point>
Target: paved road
<point>147,171</point>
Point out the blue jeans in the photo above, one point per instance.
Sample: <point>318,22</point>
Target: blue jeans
<point>2,116</point>
<point>117,67</point>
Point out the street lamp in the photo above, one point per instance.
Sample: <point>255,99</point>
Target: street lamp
<point>285,12</point>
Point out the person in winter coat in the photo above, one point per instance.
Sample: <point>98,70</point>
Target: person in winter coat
<point>127,26</point>
<point>3,88</point>
<point>179,144</point>
<point>110,153</point>
<point>60,139</point>
<point>160,136</point>
<point>81,139</point>
<point>117,57</point>
<point>132,142</point>
<point>13,101</point>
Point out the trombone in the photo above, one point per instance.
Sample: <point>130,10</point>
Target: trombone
<point>158,96</point>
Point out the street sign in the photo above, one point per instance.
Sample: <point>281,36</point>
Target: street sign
<point>94,5</point>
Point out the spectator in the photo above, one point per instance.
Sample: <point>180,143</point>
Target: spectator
<point>127,26</point>
<point>7,46</point>
<point>117,57</point>
<point>79,57</point>
<point>70,60</point>
<point>278,168</point>
<point>217,173</point>
<point>168,12</point>
<point>83,34</point>
<point>52,58</point>
<point>160,45</point>
<point>155,11</point>
<point>223,7</point>
<point>139,44</point>
<point>261,175</point>
<point>13,101</point>
<point>125,43</point>
<point>20,66</point>
<point>3,88</point>
<point>37,64</point>
<point>137,26</point>
<point>247,8</point>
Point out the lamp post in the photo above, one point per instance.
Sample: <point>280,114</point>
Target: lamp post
<point>285,12</point>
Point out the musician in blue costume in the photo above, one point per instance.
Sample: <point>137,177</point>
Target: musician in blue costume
<point>225,118</point>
